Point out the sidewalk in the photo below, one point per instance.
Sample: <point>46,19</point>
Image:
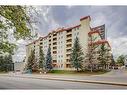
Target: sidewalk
<point>96,79</point>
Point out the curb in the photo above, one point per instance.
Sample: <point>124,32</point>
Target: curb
<point>73,80</point>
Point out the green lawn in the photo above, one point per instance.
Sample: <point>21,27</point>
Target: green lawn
<point>75,72</point>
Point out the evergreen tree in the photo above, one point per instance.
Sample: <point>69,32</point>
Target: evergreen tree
<point>31,60</point>
<point>41,59</point>
<point>76,57</point>
<point>48,63</point>
<point>103,56</point>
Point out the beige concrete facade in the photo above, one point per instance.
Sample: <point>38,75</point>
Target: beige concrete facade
<point>61,42</point>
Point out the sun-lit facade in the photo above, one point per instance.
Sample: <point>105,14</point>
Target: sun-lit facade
<point>61,42</point>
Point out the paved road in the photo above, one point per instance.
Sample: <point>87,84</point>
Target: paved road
<point>28,83</point>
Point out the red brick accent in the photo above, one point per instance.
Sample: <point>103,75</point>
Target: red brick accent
<point>85,18</point>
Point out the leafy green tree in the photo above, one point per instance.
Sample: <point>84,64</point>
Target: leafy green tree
<point>6,63</point>
<point>76,57</point>
<point>121,60</point>
<point>17,17</point>
<point>41,58</point>
<point>2,63</point>
<point>90,54</point>
<point>48,62</point>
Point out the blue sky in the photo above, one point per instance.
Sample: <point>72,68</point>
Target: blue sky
<point>114,17</point>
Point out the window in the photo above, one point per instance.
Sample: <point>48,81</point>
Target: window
<point>61,65</point>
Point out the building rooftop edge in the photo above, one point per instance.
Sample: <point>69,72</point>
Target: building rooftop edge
<point>61,30</point>
<point>85,18</point>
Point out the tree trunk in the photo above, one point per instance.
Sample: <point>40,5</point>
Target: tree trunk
<point>91,68</point>
<point>77,70</point>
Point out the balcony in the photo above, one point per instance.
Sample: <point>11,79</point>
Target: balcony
<point>69,35</point>
<point>68,50</point>
<point>68,66</point>
<point>55,43</point>
<point>55,39</point>
<point>49,40</point>
<point>54,61</point>
<point>68,55</point>
<point>50,36</point>
<point>67,60</point>
<point>69,40</point>
<point>68,45</point>
<point>41,43</point>
<point>49,44</point>
<point>54,48</point>
<point>55,34</point>
<point>69,31</point>
<point>54,52</point>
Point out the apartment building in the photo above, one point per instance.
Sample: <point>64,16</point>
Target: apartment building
<point>61,42</point>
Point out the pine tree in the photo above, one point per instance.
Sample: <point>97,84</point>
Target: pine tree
<point>31,60</point>
<point>41,59</point>
<point>103,56</point>
<point>48,63</point>
<point>76,57</point>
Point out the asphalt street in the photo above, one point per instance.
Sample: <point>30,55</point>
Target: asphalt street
<point>29,83</point>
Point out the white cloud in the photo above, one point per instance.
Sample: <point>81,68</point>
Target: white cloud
<point>119,45</point>
<point>113,17</point>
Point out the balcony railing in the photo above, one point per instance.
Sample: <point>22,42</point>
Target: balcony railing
<point>54,52</point>
<point>68,45</point>
<point>55,43</point>
<point>54,39</point>
<point>55,34</point>
<point>69,40</point>
<point>69,31</point>
<point>55,47</point>
<point>69,35</point>
<point>68,50</point>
